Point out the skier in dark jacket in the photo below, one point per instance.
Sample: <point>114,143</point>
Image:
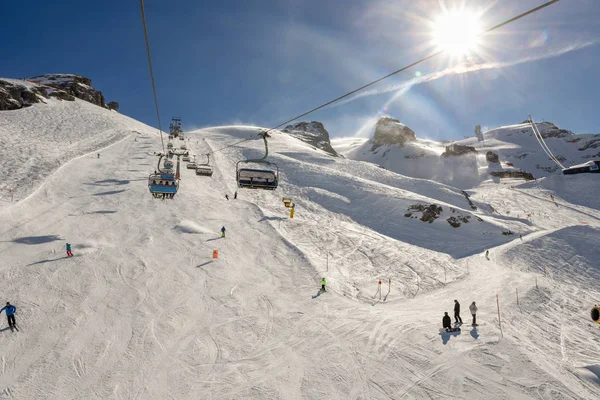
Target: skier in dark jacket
<point>457,318</point>
<point>223,230</point>
<point>10,314</point>
<point>446,322</point>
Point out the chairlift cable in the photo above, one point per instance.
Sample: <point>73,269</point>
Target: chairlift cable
<point>542,143</point>
<point>151,73</point>
<point>426,58</point>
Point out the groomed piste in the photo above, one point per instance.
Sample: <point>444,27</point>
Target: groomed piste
<point>143,310</point>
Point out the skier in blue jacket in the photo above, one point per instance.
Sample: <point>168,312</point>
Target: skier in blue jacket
<point>10,314</point>
<point>223,232</point>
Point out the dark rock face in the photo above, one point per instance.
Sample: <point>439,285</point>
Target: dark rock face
<point>62,95</point>
<point>14,96</point>
<point>513,174</point>
<point>390,131</point>
<point>430,212</point>
<point>113,105</point>
<point>490,156</point>
<point>313,133</point>
<point>591,144</point>
<point>75,85</point>
<point>458,150</point>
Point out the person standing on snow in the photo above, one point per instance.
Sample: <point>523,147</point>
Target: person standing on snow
<point>323,283</point>
<point>457,318</point>
<point>235,195</point>
<point>69,253</point>
<point>227,197</point>
<point>487,253</point>
<point>98,155</point>
<point>223,232</point>
<point>473,309</point>
<point>10,314</point>
<point>446,322</point>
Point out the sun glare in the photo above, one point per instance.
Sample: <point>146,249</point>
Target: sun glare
<point>456,32</point>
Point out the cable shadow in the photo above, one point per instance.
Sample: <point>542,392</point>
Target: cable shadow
<point>203,264</point>
<point>265,218</point>
<point>37,239</point>
<point>109,192</point>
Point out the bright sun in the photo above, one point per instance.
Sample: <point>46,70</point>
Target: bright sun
<point>457,32</point>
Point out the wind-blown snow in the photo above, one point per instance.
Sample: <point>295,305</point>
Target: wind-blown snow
<point>144,311</point>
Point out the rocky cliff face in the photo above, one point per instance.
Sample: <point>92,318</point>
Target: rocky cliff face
<point>390,131</point>
<point>458,150</point>
<point>313,133</point>
<point>16,94</point>
<point>75,85</point>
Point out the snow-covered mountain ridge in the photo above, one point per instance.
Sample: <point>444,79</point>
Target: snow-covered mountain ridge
<point>505,151</point>
<point>19,93</point>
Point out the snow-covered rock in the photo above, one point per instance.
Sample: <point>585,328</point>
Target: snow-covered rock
<point>390,131</point>
<point>76,85</point>
<point>313,133</point>
<point>505,152</point>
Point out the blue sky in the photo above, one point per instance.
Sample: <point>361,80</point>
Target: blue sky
<point>263,61</point>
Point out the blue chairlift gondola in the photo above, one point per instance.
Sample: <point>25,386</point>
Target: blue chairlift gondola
<point>163,183</point>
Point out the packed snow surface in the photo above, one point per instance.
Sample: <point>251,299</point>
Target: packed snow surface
<point>143,311</point>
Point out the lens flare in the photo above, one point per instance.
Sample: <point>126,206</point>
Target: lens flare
<point>457,32</point>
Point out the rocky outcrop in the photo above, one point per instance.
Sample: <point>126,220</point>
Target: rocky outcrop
<point>458,150</point>
<point>75,85</point>
<point>313,133</point>
<point>490,156</point>
<point>14,96</point>
<point>512,174</point>
<point>62,95</point>
<point>430,212</point>
<point>591,144</point>
<point>390,131</point>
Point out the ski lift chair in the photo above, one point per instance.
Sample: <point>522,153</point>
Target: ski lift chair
<point>250,178</point>
<point>205,170</point>
<point>162,183</point>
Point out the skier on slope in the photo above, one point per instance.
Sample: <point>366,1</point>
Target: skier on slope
<point>323,283</point>
<point>69,253</point>
<point>457,318</point>
<point>98,155</point>
<point>473,309</point>
<point>10,314</point>
<point>223,232</point>
<point>235,195</point>
<point>446,322</point>
<point>487,253</point>
<point>227,196</point>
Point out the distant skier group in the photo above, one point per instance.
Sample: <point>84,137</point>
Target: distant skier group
<point>447,321</point>
<point>234,195</point>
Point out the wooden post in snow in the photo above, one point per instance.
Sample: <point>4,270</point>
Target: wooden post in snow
<point>499,322</point>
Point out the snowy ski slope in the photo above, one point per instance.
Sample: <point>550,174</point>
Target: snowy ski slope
<point>143,312</point>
